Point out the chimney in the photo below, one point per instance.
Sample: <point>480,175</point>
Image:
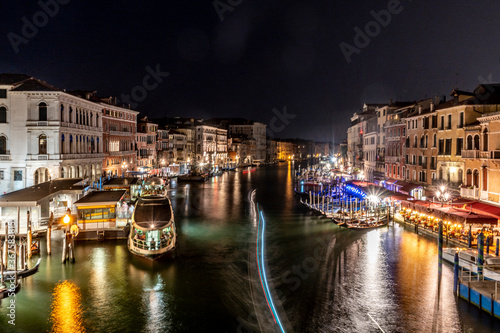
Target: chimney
<point>390,101</point>
<point>437,100</point>
<point>432,106</point>
<point>419,109</point>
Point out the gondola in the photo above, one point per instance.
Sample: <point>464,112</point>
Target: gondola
<point>24,272</point>
<point>7,292</point>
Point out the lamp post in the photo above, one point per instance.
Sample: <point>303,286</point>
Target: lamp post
<point>442,195</point>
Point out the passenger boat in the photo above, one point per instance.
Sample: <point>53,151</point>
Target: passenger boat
<point>467,259</point>
<point>152,234</point>
<point>22,273</point>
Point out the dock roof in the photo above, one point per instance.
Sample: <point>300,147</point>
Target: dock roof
<point>31,196</point>
<point>101,198</point>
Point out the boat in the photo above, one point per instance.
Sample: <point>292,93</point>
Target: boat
<point>8,292</point>
<point>467,259</point>
<point>22,273</point>
<point>365,225</point>
<point>152,234</point>
<point>193,177</point>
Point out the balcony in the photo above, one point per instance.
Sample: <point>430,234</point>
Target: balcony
<point>5,157</point>
<point>433,166</point>
<point>470,154</point>
<point>484,154</point>
<point>469,192</point>
<point>80,156</point>
<point>120,133</point>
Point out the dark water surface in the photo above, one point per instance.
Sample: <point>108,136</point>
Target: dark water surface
<point>322,278</point>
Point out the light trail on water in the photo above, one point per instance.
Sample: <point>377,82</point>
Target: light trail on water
<point>262,269</point>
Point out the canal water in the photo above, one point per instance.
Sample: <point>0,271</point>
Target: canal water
<point>321,278</point>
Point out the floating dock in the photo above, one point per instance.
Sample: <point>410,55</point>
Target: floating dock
<point>483,294</point>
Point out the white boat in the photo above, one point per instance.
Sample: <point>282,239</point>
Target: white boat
<point>467,259</point>
<point>153,228</point>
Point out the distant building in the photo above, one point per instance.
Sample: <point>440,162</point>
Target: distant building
<point>147,133</point>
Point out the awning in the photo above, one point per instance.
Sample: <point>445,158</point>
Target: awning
<point>391,181</point>
<point>407,187</point>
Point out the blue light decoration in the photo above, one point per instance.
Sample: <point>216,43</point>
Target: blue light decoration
<point>355,191</point>
<point>262,270</point>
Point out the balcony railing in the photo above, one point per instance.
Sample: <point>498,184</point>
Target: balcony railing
<point>484,154</point>
<point>469,192</point>
<point>470,153</point>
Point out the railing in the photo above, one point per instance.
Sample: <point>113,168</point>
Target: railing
<point>469,192</point>
<point>484,154</point>
<point>4,157</point>
<point>120,133</point>
<point>470,153</point>
<point>80,156</point>
<point>151,246</point>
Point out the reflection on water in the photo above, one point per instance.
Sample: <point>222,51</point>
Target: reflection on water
<point>322,278</point>
<point>66,315</point>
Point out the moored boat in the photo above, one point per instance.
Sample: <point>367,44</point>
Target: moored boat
<point>468,259</point>
<point>22,273</point>
<point>153,232</point>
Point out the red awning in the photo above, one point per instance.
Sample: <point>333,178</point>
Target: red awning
<point>408,187</point>
<point>391,181</point>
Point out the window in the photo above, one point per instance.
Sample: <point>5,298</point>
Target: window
<point>441,147</point>
<point>42,112</point>
<point>3,115</point>
<point>18,175</point>
<point>447,148</point>
<point>434,121</point>
<point>460,144</point>
<point>434,141</point>
<point>3,145</point>
<point>442,123</point>
<point>461,120</point>
<point>3,94</point>
<point>42,144</point>
<point>70,114</point>
<point>1,175</point>
<point>62,112</point>
<point>449,122</point>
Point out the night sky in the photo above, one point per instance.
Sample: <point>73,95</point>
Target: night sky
<point>262,55</point>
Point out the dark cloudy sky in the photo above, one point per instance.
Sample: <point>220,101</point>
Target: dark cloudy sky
<point>264,54</point>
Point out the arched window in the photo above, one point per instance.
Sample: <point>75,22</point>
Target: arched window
<point>42,112</point>
<point>71,144</point>
<point>3,145</point>
<point>91,119</point>
<point>76,116</point>
<point>476,178</point>
<point>96,120</point>
<point>62,112</point>
<point>87,114</point>
<point>434,140</point>
<point>62,172</point>
<point>469,142</point>
<point>440,173</point>
<point>485,139</point>
<point>42,144</point>
<point>468,180</point>
<point>476,142</point>
<point>70,114</point>
<point>3,115</point>
<point>460,176</point>
<point>62,144</point>
<point>81,117</point>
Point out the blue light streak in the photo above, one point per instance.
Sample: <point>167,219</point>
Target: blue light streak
<point>262,271</point>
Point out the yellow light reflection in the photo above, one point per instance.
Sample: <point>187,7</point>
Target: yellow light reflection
<point>66,315</point>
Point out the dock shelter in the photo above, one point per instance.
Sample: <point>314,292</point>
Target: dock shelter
<point>40,200</point>
<point>100,210</point>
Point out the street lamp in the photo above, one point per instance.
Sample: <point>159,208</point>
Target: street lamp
<point>442,195</point>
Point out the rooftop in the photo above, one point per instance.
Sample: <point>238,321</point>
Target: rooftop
<point>102,197</point>
<point>35,193</point>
